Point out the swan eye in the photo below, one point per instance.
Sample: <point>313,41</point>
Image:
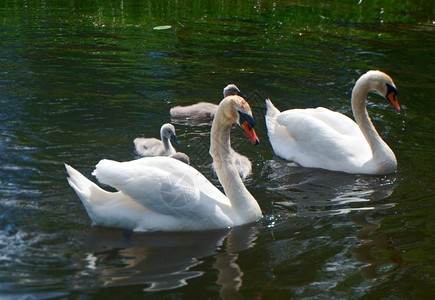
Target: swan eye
<point>391,89</point>
<point>243,117</point>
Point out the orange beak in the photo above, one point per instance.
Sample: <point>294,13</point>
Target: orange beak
<point>392,97</point>
<point>250,132</point>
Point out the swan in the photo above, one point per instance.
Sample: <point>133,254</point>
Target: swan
<point>202,111</point>
<point>163,194</point>
<point>154,147</point>
<point>321,138</point>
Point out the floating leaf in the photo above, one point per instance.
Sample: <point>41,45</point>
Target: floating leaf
<point>162,27</point>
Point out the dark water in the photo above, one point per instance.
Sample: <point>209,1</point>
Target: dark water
<point>80,80</point>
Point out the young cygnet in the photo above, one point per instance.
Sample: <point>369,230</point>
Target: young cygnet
<point>162,147</point>
<point>202,111</point>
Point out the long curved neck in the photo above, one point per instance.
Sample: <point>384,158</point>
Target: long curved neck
<point>243,203</point>
<point>382,154</point>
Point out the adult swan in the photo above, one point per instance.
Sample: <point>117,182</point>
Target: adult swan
<point>164,194</point>
<point>321,138</point>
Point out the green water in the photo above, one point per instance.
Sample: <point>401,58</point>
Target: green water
<point>79,80</point>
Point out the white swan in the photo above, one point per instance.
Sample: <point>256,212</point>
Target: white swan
<point>164,194</point>
<point>320,138</point>
<point>202,111</point>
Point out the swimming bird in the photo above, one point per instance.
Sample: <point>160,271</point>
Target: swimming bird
<point>321,138</point>
<point>202,111</point>
<point>155,147</point>
<point>163,194</point>
<point>163,147</point>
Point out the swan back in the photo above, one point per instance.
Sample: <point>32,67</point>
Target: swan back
<point>201,111</point>
<point>159,193</point>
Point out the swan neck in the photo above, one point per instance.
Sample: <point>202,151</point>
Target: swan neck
<point>220,141</point>
<point>166,144</point>
<point>380,149</point>
<point>242,202</point>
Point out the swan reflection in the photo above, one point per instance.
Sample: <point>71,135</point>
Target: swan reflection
<point>165,261</point>
<point>320,192</point>
<point>371,244</point>
<point>316,192</point>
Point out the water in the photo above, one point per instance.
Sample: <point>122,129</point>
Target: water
<point>79,81</point>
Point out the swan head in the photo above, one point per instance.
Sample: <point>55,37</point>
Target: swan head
<point>237,110</point>
<point>168,131</point>
<point>383,85</point>
<point>232,89</point>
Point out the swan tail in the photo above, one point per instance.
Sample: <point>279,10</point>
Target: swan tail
<point>271,115</point>
<point>272,111</point>
<point>89,193</point>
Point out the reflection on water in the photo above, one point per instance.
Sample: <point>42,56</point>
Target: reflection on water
<point>319,192</point>
<point>375,250</point>
<point>164,261</point>
<point>314,192</point>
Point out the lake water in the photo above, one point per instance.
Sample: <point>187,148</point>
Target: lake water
<point>80,80</point>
